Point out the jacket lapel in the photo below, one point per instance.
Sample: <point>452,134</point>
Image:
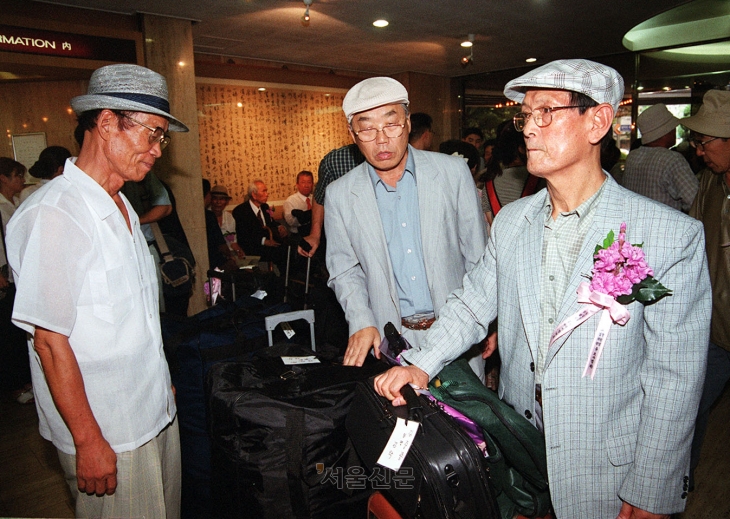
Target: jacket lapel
<point>528,286</point>
<point>365,209</point>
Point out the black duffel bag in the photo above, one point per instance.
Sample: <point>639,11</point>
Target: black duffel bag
<point>280,448</point>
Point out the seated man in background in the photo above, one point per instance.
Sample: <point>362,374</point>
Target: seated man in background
<point>256,231</point>
<point>298,207</point>
<point>219,254</point>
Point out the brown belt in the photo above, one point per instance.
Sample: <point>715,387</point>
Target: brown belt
<point>421,324</point>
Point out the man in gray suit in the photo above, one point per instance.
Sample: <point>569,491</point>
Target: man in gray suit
<point>402,228</point>
<point>617,429</point>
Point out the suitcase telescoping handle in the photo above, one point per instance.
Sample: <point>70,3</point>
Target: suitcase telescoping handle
<point>272,320</point>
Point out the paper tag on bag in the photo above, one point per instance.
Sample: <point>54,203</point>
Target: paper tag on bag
<point>398,444</point>
<point>291,361</point>
<point>288,330</point>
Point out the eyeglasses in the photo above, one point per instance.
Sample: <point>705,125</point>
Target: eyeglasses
<point>157,135</point>
<point>701,144</point>
<point>543,116</point>
<point>391,131</point>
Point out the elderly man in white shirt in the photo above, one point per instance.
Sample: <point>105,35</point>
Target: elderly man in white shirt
<point>87,294</point>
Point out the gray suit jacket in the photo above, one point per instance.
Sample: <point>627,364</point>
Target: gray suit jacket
<point>452,234</point>
<point>625,434</point>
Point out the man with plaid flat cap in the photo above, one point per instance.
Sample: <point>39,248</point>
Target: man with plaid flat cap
<point>618,429</point>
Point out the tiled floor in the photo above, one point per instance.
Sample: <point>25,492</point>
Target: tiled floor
<point>32,485</point>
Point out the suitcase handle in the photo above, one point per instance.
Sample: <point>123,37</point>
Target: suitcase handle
<point>413,406</point>
<point>272,320</point>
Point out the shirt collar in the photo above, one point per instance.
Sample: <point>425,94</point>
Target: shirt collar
<point>95,195</point>
<point>582,210</point>
<point>410,168</point>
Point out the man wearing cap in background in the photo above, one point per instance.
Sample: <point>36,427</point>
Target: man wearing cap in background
<point>711,139</point>
<point>655,171</point>
<point>87,293</point>
<point>402,228</point>
<point>617,441</point>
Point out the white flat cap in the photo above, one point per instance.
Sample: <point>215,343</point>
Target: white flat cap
<point>371,93</point>
<point>599,82</point>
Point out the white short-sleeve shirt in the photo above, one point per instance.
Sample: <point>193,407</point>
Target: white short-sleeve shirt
<point>79,272</point>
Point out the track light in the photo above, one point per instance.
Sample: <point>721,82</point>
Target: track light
<point>305,16</point>
<point>468,44</point>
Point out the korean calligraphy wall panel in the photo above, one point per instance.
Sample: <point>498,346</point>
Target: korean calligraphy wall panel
<point>248,134</point>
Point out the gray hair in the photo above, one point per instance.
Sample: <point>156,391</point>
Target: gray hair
<point>253,188</point>
<point>405,109</point>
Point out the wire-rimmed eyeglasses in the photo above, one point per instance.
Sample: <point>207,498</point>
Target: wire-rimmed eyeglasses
<point>157,135</point>
<point>391,131</point>
<point>543,116</point>
<point>698,144</point>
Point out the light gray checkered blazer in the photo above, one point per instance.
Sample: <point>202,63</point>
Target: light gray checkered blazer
<point>625,434</point>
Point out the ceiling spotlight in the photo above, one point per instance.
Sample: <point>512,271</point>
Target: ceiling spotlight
<point>469,41</point>
<point>380,23</point>
<point>305,16</point>
<point>531,60</point>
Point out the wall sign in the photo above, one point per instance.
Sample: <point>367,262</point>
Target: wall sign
<point>49,43</point>
<point>26,149</point>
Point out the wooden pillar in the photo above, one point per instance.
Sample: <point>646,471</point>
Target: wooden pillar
<point>168,49</point>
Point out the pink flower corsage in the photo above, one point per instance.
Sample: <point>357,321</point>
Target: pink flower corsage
<point>620,276</point>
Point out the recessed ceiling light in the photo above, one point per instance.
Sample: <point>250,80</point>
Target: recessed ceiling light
<point>531,60</point>
<point>639,88</point>
<point>262,89</point>
<point>380,23</point>
<point>467,44</point>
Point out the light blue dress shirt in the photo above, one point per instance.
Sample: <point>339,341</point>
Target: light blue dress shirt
<point>399,215</point>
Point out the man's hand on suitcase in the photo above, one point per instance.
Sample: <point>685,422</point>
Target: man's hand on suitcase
<point>359,345</point>
<point>389,384</point>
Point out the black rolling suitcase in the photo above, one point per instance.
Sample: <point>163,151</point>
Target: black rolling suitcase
<point>443,475</point>
<point>280,446</point>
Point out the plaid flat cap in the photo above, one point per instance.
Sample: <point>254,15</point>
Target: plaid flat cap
<point>599,82</point>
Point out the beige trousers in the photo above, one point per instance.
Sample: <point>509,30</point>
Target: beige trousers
<point>148,482</point>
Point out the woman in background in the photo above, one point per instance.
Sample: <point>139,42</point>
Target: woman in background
<point>48,166</point>
<point>14,361</point>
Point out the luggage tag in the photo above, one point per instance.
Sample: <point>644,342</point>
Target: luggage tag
<point>398,444</point>
<point>293,361</point>
<point>405,430</point>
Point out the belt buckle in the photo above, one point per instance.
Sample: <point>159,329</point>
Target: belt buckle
<point>418,321</point>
